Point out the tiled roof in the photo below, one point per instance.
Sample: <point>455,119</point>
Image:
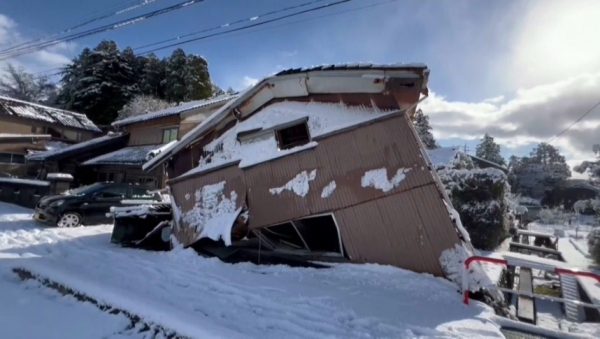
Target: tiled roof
<point>134,155</point>
<point>51,115</point>
<point>183,107</point>
<point>349,66</point>
<point>76,148</point>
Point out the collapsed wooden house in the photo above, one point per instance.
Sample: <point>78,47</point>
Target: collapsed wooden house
<point>320,163</point>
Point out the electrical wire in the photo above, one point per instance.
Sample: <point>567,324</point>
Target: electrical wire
<point>574,123</point>
<point>102,15</point>
<point>251,26</point>
<point>113,26</point>
<point>269,28</point>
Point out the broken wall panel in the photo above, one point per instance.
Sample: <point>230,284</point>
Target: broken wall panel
<point>344,158</point>
<point>392,231</point>
<point>184,193</point>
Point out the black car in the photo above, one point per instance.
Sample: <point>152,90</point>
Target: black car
<point>88,205</point>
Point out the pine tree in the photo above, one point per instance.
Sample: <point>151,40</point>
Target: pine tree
<point>592,168</point>
<point>197,79</point>
<point>175,88</point>
<point>152,75</point>
<point>489,150</point>
<point>101,83</point>
<point>421,122</point>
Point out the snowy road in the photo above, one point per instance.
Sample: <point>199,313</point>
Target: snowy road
<point>206,298</point>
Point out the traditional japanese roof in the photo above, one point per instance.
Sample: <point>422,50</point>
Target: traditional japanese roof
<point>183,107</point>
<point>62,152</point>
<point>50,145</point>
<point>134,155</point>
<point>35,112</point>
<point>352,66</point>
<point>370,78</point>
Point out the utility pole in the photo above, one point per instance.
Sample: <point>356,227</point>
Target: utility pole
<point>466,149</point>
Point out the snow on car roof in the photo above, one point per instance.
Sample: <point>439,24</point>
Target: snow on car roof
<point>32,111</point>
<point>183,107</point>
<point>134,155</point>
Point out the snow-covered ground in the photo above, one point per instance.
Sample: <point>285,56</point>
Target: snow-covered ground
<point>207,298</point>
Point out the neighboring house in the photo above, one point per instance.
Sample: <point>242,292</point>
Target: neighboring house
<point>25,118</point>
<point>320,163</point>
<point>571,191</point>
<point>147,134</point>
<point>451,157</point>
<point>61,159</point>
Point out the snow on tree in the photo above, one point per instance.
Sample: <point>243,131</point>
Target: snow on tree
<point>197,79</point>
<point>421,122</point>
<point>216,90</point>
<point>540,173</point>
<point>489,150</point>
<point>142,104</point>
<point>592,168</point>
<point>102,84</point>
<point>17,83</point>
<point>153,73</point>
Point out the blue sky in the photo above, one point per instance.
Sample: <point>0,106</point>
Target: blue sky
<point>505,67</point>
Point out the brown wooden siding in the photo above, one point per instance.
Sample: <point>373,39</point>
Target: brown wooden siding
<point>234,181</point>
<point>150,132</point>
<point>343,158</point>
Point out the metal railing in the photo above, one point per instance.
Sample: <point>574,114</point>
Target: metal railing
<point>523,263</point>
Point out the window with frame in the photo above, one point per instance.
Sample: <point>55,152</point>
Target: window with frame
<point>293,136</point>
<point>12,158</point>
<point>170,134</point>
<point>112,192</point>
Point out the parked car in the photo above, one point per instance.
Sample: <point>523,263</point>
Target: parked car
<point>88,205</point>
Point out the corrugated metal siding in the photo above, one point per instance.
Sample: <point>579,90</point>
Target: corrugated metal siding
<point>234,179</point>
<point>399,230</point>
<point>343,158</point>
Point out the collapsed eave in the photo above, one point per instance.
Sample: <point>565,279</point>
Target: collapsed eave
<point>303,84</point>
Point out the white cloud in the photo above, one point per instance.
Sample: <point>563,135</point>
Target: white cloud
<point>248,81</point>
<point>52,57</point>
<point>534,115</point>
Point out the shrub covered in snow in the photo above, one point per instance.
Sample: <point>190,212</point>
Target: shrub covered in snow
<point>480,197</point>
<point>554,216</point>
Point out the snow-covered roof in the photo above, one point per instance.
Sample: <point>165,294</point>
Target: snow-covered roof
<point>58,151</point>
<point>27,110</point>
<point>353,66</point>
<point>65,176</point>
<point>296,83</point>
<point>134,155</point>
<point>183,107</point>
<point>321,119</point>
<point>443,157</point>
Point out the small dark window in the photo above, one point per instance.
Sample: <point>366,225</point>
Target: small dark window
<point>18,159</point>
<point>106,177</point>
<point>6,158</point>
<point>293,136</point>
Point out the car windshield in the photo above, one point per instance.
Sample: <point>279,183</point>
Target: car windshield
<point>85,189</point>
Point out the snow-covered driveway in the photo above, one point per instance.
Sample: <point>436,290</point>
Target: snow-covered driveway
<point>205,298</point>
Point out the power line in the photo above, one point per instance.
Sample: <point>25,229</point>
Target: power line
<point>230,24</point>
<point>574,123</point>
<point>269,28</point>
<point>113,11</point>
<point>113,26</point>
<point>251,26</point>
